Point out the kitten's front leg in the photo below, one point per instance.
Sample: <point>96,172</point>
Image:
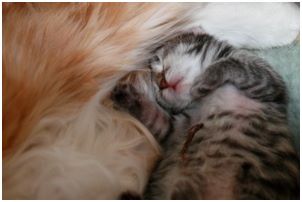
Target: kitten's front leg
<point>129,97</point>
<point>249,74</point>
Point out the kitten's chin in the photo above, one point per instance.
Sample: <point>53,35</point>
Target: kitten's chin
<point>172,101</point>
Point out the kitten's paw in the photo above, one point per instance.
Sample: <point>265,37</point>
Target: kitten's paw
<point>206,85</point>
<point>199,92</point>
<point>127,98</point>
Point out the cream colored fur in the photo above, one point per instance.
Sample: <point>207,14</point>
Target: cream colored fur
<point>61,138</point>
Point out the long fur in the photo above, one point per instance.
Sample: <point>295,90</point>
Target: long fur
<point>61,138</point>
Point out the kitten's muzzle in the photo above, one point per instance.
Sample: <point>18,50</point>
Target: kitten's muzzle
<point>164,84</point>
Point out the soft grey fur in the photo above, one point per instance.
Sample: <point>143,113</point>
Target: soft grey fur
<point>243,148</point>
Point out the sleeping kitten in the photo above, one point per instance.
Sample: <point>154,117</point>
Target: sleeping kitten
<point>220,115</point>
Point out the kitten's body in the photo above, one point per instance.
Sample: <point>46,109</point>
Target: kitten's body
<point>243,149</point>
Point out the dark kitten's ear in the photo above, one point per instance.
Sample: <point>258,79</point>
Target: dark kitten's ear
<point>156,62</point>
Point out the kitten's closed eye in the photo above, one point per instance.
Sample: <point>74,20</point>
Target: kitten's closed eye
<point>155,59</point>
<point>156,62</point>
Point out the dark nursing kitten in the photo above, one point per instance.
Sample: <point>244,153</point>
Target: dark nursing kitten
<point>220,115</point>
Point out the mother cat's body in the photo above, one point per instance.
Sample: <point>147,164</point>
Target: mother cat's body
<point>236,102</point>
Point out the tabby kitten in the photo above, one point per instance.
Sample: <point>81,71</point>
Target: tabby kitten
<point>220,115</point>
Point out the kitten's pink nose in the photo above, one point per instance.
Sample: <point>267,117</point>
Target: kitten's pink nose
<point>172,84</point>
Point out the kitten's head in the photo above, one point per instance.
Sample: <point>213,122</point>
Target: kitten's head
<point>174,70</point>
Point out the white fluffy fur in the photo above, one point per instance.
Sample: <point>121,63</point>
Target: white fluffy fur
<point>94,152</point>
<point>252,25</point>
<point>80,157</point>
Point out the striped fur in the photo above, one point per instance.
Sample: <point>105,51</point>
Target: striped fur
<point>243,149</point>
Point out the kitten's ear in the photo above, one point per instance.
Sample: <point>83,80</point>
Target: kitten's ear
<point>156,62</point>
